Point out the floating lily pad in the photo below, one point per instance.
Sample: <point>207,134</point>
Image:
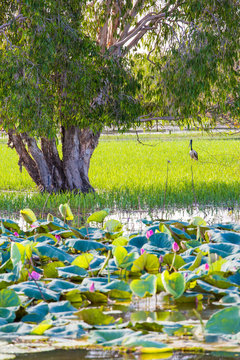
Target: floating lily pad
<point>225,321</point>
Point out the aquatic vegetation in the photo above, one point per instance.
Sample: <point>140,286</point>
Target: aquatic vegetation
<point>62,281</point>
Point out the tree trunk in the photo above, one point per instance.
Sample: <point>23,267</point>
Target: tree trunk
<point>47,169</point>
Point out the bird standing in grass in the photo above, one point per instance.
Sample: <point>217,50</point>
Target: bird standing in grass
<point>193,154</point>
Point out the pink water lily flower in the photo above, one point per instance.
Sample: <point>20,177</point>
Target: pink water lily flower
<point>149,233</point>
<point>34,275</point>
<point>142,251</point>
<point>92,287</point>
<point>33,226</point>
<point>160,259</point>
<point>175,247</point>
<point>16,233</point>
<point>206,267</point>
<point>58,237</point>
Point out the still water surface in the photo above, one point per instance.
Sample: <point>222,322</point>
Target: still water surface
<point>107,355</point>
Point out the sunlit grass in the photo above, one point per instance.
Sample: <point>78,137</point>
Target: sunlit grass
<point>127,174</point>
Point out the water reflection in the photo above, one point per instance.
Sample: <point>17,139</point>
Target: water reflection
<point>109,355</point>
<point>132,219</point>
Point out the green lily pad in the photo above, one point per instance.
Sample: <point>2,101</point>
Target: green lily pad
<point>98,216</point>
<point>95,316</point>
<point>147,262</point>
<point>144,287</point>
<point>225,321</point>
<point>8,298</point>
<point>173,283</point>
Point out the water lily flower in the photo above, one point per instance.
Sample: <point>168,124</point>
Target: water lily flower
<point>160,259</point>
<point>16,233</point>
<point>142,251</point>
<point>34,275</point>
<point>175,247</point>
<point>92,287</point>
<point>149,233</point>
<point>206,266</point>
<point>33,226</point>
<point>58,237</point>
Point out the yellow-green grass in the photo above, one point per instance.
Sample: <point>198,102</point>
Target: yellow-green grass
<point>127,174</point>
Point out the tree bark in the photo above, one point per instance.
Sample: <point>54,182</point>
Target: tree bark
<point>47,169</point>
<point>78,146</point>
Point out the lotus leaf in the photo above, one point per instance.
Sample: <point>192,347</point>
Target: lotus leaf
<point>225,321</point>
<point>95,316</point>
<point>173,283</point>
<point>144,287</point>
<point>98,216</point>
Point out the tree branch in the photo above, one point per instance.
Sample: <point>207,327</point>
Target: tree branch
<point>149,21</point>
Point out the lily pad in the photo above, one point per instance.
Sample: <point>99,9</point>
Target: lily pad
<point>173,283</point>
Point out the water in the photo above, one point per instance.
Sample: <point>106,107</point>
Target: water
<point>110,355</point>
<point>132,219</point>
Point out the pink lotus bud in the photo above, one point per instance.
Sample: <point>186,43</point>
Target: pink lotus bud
<point>175,247</point>
<point>142,251</point>
<point>92,287</point>
<point>16,233</point>
<point>34,275</point>
<point>149,233</point>
<point>160,259</point>
<point>58,237</point>
<point>206,267</point>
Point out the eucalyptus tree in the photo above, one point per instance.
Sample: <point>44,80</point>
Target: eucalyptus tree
<point>67,67</point>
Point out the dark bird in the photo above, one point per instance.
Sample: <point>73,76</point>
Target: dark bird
<point>193,153</point>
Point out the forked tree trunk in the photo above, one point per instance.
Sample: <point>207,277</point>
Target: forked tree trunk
<point>43,163</point>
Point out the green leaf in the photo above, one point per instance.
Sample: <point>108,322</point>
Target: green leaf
<point>173,283</point>
<point>86,245</point>
<point>74,296</point>
<point>147,262</point>
<point>71,271</point>
<point>66,212</point>
<point>28,215</point>
<point>50,270</point>
<point>120,253</point>
<point>95,297</point>
<point>168,259</point>
<point>225,321</point>
<point>53,252</point>
<point>112,226</point>
<point>83,260</point>
<point>17,253</point>
<point>98,216</point>
<point>42,327</point>
<point>198,221</point>
<point>9,298</point>
<point>95,316</point>
<point>122,241</point>
<point>196,262</point>
<point>144,287</point>
<point>39,292</point>
<point>123,259</point>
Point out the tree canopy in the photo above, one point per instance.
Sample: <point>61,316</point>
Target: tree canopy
<point>73,67</point>
<point>52,73</point>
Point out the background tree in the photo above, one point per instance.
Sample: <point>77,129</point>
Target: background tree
<point>66,66</point>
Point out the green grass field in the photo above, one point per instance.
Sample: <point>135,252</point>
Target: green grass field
<point>127,174</point>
